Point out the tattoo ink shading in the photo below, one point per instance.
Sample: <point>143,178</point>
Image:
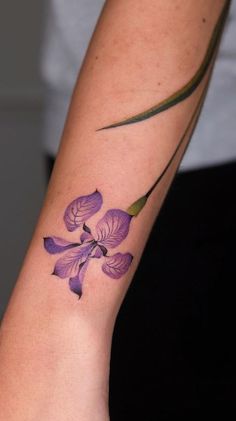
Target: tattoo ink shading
<point>109,233</point>
<point>190,87</point>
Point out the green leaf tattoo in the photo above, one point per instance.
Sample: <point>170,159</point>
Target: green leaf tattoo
<point>138,205</point>
<point>190,87</point>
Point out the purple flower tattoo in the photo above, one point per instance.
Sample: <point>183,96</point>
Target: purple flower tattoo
<point>109,233</point>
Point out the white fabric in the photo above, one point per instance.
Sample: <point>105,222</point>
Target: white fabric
<point>70,24</point>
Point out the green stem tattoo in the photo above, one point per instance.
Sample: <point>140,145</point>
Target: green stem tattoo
<point>191,86</point>
<point>138,205</point>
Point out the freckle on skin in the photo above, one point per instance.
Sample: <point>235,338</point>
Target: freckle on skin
<point>204,20</point>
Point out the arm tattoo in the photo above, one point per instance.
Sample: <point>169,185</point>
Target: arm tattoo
<point>112,229</point>
<point>187,89</point>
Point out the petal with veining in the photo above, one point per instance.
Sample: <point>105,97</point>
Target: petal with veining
<point>55,245</point>
<point>113,228</point>
<point>68,265</point>
<point>81,209</point>
<point>117,265</point>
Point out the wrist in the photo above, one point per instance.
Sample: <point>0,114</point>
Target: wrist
<point>62,360</point>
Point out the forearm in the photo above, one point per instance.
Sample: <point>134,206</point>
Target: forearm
<point>141,53</point>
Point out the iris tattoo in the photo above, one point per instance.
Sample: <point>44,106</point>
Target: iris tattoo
<point>112,229</point>
<point>109,233</point>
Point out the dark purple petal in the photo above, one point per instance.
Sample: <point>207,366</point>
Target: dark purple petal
<point>117,265</point>
<point>76,282</point>
<point>55,245</point>
<point>103,249</point>
<point>97,252</point>
<point>113,228</point>
<point>68,265</point>
<point>82,209</point>
<point>86,228</point>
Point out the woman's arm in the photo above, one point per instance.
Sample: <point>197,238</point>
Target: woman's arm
<point>134,107</point>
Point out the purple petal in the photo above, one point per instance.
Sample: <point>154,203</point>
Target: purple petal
<point>69,265</point>
<point>85,236</point>
<point>97,253</point>
<point>82,209</point>
<point>113,228</point>
<point>75,283</point>
<point>55,245</point>
<point>117,265</point>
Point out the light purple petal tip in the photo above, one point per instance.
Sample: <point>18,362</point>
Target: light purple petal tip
<point>117,265</point>
<point>81,209</point>
<point>113,228</point>
<point>55,245</point>
<point>69,265</point>
<point>76,282</point>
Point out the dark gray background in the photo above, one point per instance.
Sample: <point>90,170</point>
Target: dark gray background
<point>22,178</point>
